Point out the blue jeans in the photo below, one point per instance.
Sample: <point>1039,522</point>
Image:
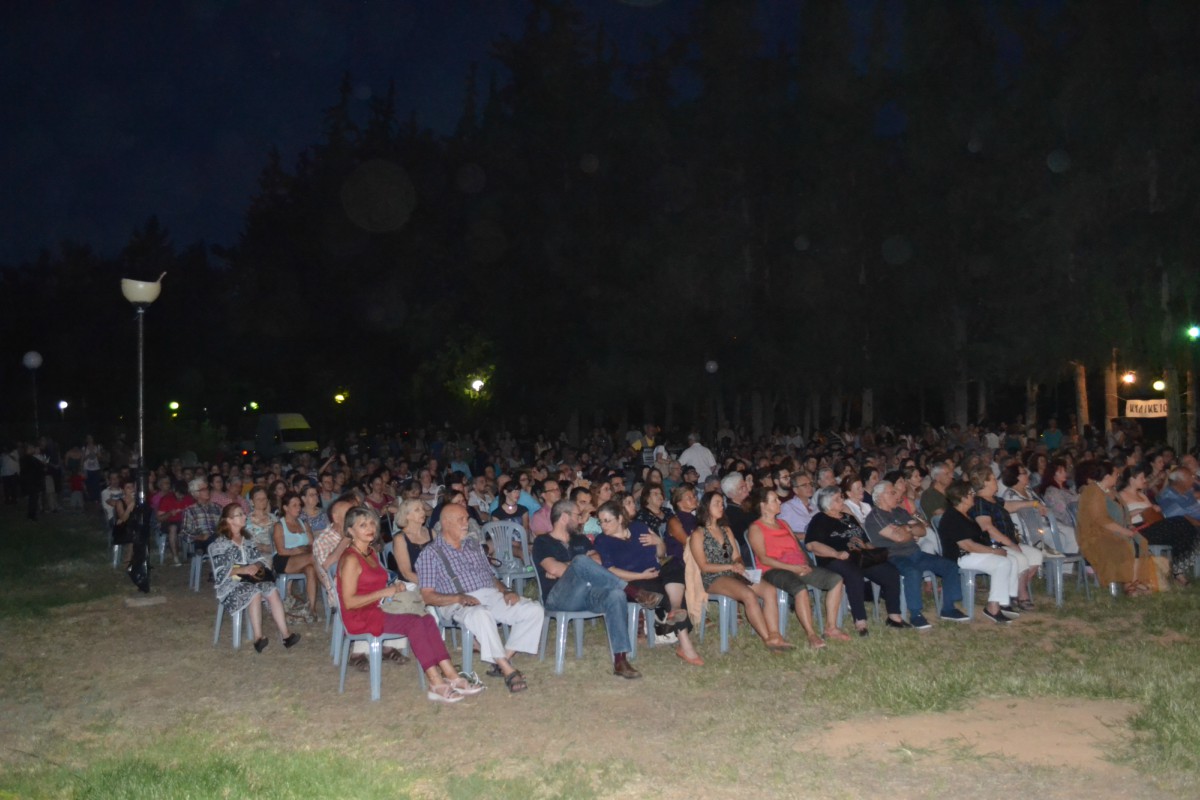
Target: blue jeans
<point>912,569</point>
<point>587,586</point>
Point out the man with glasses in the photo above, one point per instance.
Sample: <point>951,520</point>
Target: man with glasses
<point>572,579</point>
<point>799,511</point>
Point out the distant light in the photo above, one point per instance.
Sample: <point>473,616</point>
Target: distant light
<point>1128,377</point>
<point>62,405</point>
<point>1159,385</point>
<point>339,398</point>
<point>31,360</point>
<point>173,405</point>
<point>253,406</point>
<point>477,385</point>
<point>1194,332</point>
<point>1058,161</point>
<point>174,414</point>
<point>711,367</point>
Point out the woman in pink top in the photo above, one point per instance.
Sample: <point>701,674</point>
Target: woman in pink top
<point>786,566</point>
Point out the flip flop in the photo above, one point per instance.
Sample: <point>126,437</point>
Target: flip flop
<point>695,662</point>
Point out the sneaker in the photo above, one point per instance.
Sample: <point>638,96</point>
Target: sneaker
<point>901,625</point>
<point>1010,612</point>
<point>998,617</point>
<point>670,637</point>
<point>954,615</point>
<point>918,621</point>
<point>467,683</point>
<point>444,694</point>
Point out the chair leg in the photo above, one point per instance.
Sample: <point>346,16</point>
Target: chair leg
<point>545,635</point>
<point>345,657</point>
<point>703,619</point>
<point>968,592</point>
<point>237,631</point>
<point>723,622</point>
<point>468,650</point>
<point>375,658</point>
<point>560,643</point>
<point>217,627</point>
<point>781,600</point>
<point>578,639</point>
<point>632,613</point>
<point>335,643</point>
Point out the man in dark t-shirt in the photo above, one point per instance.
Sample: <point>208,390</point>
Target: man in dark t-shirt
<point>572,579</point>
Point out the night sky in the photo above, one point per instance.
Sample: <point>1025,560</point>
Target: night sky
<point>113,112</point>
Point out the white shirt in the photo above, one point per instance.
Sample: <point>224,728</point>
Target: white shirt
<point>701,458</point>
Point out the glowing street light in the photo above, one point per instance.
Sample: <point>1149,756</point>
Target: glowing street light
<point>477,385</point>
<point>173,405</point>
<point>253,405</point>
<point>1194,332</point>
<point>339,398</point>
<point>1159,385</point>
<point>1128,378</point>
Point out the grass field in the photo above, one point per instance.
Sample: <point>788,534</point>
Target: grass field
<point>98,701</point>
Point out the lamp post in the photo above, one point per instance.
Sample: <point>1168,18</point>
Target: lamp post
<point>32,360</point>
<point>141,294</point>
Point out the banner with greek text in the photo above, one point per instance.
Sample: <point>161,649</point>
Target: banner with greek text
<point>1145,408</point>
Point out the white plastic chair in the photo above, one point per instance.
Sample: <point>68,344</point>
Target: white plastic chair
<point>563,619</point>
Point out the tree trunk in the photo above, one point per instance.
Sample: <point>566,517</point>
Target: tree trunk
<point>756,414</point>
<point>1031,397</point>
<point>1192,402</point>
<point>769,413</point>
<point>1081,397</point>
<point>1175,437</point>
<point>981,407</point>
<point>1111,411</point>
<point>959,409</point>
<point>668,414</point>
<point>868,408</point>
<point>573,427</point>
<point>835,411</point>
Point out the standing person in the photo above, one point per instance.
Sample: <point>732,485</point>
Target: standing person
<point>455,577</point>
<point>698,457</point>
<point>232,557</point>
<point>33,479</point>
<point>10,473</point>
<point>52,460</point>
<point>92,454</point>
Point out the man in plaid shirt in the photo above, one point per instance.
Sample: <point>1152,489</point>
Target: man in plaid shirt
<point>200,519</point>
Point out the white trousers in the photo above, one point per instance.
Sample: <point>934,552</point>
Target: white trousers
<point>525,618</point>
<point>1002,586</point>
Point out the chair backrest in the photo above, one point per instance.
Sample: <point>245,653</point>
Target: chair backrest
<point>503,533</point>
<point>1073,511</point>
<point>1031,524</point>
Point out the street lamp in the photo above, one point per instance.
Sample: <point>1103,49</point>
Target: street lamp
<point>32,360</point>
<point>1159,385</point>
<point>141,294</point>
<point>1128,378</point>
<point>62,409</point>
<point>477,385</point>
<point>1194,332</point>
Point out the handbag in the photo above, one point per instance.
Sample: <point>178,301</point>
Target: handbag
<point>1150,515</point>
<point>262,575</point>
<point>407,602</point>
<point>868,557</point>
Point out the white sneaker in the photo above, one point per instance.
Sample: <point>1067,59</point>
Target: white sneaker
<point>444,694</point>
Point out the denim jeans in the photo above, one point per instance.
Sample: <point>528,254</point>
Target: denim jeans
<point>913,568</point>
<point>587,586</point>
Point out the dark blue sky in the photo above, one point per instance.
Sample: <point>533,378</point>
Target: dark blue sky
<point>113,111</point>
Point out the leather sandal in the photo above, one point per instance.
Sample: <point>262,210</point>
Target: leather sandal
<point>515,682</point>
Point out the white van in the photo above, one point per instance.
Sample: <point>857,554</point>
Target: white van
<point>280,434</point>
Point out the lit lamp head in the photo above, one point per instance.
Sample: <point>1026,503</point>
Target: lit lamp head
<point>62,405</point>
<point>31,360</point>
<point>141,293</point>
<point>1159,385</point>
<point>1128,378</point>
<point>477,384</point>
<point>1194,332</point>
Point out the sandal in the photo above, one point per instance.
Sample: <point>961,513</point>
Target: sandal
<point>360,663</point>
<point>816,642</point>
<point>837,634</point>
<point>393,654</point>
<point>494,672</point>
<point>516,682</point>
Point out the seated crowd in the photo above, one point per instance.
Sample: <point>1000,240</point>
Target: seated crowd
<point>780,527</point>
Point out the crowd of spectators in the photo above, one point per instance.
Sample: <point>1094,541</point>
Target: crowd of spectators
<point>639,518</point>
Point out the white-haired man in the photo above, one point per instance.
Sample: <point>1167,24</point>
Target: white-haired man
<point>698,457</point>
<point>200,519</point>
